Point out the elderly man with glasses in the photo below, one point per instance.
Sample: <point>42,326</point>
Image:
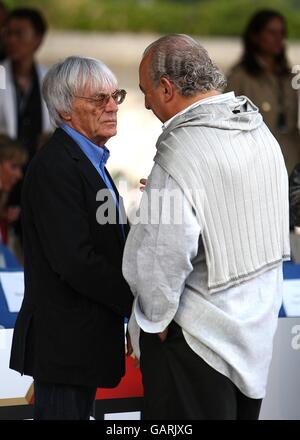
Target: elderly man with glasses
<point>69,333</point>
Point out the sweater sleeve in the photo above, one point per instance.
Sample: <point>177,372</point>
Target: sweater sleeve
<point>159,251</point>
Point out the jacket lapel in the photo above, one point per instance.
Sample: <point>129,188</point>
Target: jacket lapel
<point>88,170</point>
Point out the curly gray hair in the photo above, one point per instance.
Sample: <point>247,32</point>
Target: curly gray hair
<point>186,63</point>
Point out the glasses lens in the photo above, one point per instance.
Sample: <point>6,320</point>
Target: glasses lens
<point>119,96</point>
<point>102,99</point>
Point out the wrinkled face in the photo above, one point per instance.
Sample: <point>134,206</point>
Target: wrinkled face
<point>271,38</point>
<point>20,39</point>
<point>152,94</point>
<point>95,120</point>
<point>10,173</point>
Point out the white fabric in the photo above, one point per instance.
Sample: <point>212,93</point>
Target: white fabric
<point>232,171</point>
<point>165,266</point>
<point>8,112</point>
<point>211,99</point>
<point>232,329</point>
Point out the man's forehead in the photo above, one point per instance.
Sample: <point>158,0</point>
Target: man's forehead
<point>91,90</point>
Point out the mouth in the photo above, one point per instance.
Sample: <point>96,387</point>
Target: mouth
<point>112,123</point>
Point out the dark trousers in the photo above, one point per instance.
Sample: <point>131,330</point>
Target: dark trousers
<point>62,402</point>
<point>179,385</point>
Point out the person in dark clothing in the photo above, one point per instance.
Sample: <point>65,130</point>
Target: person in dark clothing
<point>69,334</point>
<point>23,114</point>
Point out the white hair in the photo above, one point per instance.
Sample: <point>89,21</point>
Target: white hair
<point>69,78</point>
<point>185,62</point>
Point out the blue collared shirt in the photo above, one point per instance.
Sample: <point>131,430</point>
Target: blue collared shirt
<point>98,156</point>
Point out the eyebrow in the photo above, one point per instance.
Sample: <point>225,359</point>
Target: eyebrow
<point>141,88</point>
<point>103,93</point>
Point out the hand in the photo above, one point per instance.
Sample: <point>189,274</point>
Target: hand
<point>163,335</point>
<point>143,183</point>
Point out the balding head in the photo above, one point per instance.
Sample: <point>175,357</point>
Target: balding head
<point>185,62</point>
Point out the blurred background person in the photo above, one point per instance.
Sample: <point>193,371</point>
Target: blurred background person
<point>3,16</point>
<point>264,75</point>
<point>12,159</point>
<point>23,113</point>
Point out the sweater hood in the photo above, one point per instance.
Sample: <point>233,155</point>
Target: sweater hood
<point>233,113</point>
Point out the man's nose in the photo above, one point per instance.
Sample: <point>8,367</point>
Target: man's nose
<point>111,105</point>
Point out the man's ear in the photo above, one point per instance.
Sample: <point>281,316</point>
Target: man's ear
<point>65,116</point>
<point>167,89</point>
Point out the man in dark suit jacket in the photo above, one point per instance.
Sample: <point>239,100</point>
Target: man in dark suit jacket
<point>69,334</point>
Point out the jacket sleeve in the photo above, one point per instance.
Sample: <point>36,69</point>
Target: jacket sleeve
<point>159,252</point>
<point>61,221</point>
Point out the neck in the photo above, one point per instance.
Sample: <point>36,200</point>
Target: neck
<point>184,102</point>
<point>97,140</point>
<point>23,67</point>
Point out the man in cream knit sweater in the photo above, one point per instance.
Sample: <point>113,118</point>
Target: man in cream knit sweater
<point>204,262</point>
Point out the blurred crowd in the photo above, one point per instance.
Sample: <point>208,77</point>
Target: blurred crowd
<point>263,74</point>
<point>24,120</point>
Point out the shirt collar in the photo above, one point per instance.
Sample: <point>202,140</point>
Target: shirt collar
<point>98,155</point>
<point>210,100</point>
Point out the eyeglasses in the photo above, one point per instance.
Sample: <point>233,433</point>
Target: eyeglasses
<point>101,99</point>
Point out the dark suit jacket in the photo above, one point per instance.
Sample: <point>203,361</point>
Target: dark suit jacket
<point>70,328</point>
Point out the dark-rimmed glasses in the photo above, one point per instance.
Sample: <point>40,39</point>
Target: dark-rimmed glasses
<point>101,99</point>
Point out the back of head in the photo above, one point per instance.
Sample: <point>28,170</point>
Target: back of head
<point>34,16</point>
<point>186,63</point>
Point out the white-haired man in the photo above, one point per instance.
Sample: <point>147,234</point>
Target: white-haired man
<point>69,334</point>
<point>208,283</point>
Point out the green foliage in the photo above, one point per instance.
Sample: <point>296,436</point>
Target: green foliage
<point>199,17</point>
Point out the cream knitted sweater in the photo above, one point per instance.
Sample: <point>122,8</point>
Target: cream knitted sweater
<point>232,171</point>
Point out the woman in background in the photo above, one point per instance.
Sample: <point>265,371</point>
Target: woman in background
<point>263,74</point>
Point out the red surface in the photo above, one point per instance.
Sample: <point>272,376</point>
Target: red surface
<point>130,386</point>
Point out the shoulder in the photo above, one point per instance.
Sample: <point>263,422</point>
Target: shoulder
<point>238,79</point>
<point>238,72</point>
<point>54,160</point>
